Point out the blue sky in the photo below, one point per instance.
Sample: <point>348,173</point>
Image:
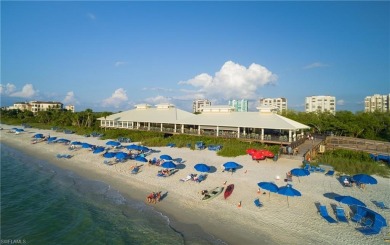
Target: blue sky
<point>110,56</point>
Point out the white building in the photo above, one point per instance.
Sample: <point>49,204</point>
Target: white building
<point>320,103</point>
<point>279,103</point>
<point>219,121</point>
<point>69,108</point>
<point>197,105</point>
<point>239,105</point>
<point>377,102</point>
<point>36,106</point>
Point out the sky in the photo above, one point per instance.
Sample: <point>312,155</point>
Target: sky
<point>111,56</point>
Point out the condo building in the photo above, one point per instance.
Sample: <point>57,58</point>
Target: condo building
<point>36,106</point>
<point>197,105</point>
<point>320,103</point>
<point>377,102</point>
<point>279,103</point>
<point>239,105</point>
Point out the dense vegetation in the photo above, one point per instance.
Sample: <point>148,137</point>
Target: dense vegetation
<point>375,126</point>
<point>351,162</point>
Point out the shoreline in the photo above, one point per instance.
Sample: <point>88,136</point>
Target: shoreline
<point>274,223</point>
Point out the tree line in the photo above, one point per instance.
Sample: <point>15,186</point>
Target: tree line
<point>366,125</point>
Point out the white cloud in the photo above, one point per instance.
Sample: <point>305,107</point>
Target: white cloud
<point>120,63</point>
<point>7,89</point>
<point>232,81</point>
<point>157,89</point>
<point>340,102</point>
<point>116,99</point>
<point>315,65</point>
<point>91,16</point>
<point>157,100</point>
<point>70,98</point>
<point>27,91</point>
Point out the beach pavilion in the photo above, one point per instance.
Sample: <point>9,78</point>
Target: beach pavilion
<point>219,121</point>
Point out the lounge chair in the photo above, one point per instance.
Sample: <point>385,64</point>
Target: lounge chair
<point>358,217</point>
<point>380,205</point>
<point>371,230</point>
<point>257,203</point>
<point>340,214</point>
<point>330,173</point>
<point>189,177</point>
<point>324,213</point>
<point>200,178</point>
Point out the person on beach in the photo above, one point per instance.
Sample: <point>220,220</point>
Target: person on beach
<point>158,197</point>
<point>346,182</point>
<point>150,197</point>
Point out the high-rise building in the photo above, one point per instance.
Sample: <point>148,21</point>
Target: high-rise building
<point>377,102</point>
<point>239,105</point>
<point>321,103</point>
<point>279,103</point>
<point>197,105</point>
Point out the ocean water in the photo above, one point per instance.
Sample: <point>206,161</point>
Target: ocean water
<point>44,204</point>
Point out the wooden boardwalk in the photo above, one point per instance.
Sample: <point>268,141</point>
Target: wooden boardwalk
<point>356,144</point>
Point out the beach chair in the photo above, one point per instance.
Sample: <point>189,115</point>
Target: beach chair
<point>366,223</point>
<point>257,203</point>
<point>340,214</point>
<point>324,213</point>
<point>358,217</point>
<point>330,173</point>
<point>201,178</point>
<point>371,230</point>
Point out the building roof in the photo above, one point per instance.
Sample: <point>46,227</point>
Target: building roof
<point>163,113</point>
<point>172,115</point>
<point>244,119</point>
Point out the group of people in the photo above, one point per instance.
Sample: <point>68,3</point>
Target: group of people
<point>154,197</point>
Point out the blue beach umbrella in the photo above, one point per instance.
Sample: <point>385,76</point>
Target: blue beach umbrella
<point>98,150</point>
<point>168,164</point>
<point>351,201</point>
<point>141,159</point>
<point>201,167</point>
<point>365,179</point>
<point>86,145</point>
<point>373,215</point>
<point>121,155</point>
<point>269,186</point>
<point>298,172</point>
<point>38,136</point>
<point>113,143</point>
<point>51,139</point>
<point>143,148</point>
<point>166,157</point>
<point>289,192</point>
<point>76,143</point>
<point>132,147</point>
<point>109,154</point>
<point>231,165</point>
<point>62,140</point>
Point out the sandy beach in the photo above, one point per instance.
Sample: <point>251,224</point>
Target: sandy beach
<point>275,222</point>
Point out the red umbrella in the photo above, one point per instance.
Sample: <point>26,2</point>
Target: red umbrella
<point>250,151</point>
<point>258,156</point>
<point>267,153</point>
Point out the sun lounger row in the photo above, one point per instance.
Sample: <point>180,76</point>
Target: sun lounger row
<point>64,156</point>
<point>339,212</point>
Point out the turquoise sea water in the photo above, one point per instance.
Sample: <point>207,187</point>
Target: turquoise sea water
<point>44,204</point>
